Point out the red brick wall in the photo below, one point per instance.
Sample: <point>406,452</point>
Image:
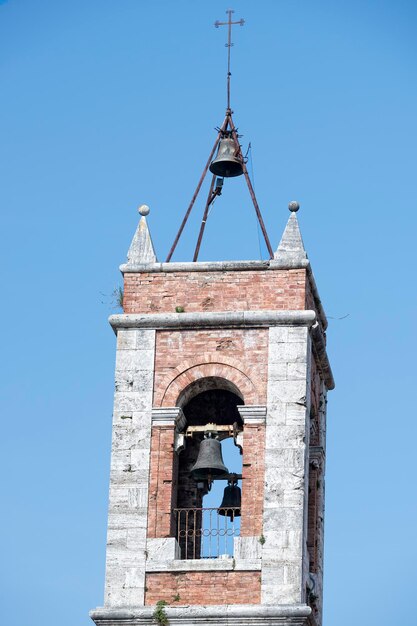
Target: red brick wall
<point>162,482</point>
<point>253,472</point>
<point>214,291</point>
<point>203,587</point>
<point>240,356</point>
<point>309,302</point>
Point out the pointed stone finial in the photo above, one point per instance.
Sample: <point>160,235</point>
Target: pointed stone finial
<point>141,249</point>
<point>291,247</point>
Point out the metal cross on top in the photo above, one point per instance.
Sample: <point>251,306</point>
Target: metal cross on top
<point>227,132</point>
<point>228,45</point>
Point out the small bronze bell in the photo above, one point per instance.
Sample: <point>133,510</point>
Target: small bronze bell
<point>232,498</point>
<point>209,461</point>
<point>227,164</point>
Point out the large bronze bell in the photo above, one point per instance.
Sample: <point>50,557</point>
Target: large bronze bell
<point>209,461</point>
<point>232,499</point>
<point>227,164</point>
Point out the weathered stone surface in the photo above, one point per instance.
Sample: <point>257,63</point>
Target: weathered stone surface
<point>212,319</point>
<point>131,380</point>
<point>130,401</point>
<point>247,548</point>
<point>277,371</point>
<point>297,371</point>
<point>226,564</point>
<point>287,353</point>
<point>291,248</point>
<point>132,359</point>
<point>227,615</point>
<point>141,249</point>
<point>285,500</point>
<point>278,594</point>
<point>283,435</point>
<point>162,549</point>
<point>128,501</point>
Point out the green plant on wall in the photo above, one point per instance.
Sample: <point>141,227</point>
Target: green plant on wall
<point>117,297</point>
<point>159,615</point>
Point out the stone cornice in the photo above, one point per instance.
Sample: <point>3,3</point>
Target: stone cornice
<point>169,416</point>
<point>228,614</point>
<point>212,319</point>
<point>252,414</point>
<point>213,266</point>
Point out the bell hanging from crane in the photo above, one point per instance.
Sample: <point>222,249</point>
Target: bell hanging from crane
<point>227,164</point>
<point>209,461</point>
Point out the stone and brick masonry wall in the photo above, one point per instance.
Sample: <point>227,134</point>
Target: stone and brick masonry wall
<point>181,358</point>
<point>176,352</point>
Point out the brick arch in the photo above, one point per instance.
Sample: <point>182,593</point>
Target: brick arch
<point>228,369</point>
<point>208,383</point>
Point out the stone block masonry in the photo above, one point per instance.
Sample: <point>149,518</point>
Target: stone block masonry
<point>284,553</point>
<point>128,499</point>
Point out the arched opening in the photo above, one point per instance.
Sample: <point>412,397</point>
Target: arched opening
<point>202,531</point>
<point>205,385</point>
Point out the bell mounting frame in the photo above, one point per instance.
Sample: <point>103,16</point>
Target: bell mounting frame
<point>227,128</point>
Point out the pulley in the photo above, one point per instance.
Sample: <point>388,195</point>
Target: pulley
<point>209,461</point>
<point>232,499</point>
<point>227,164</point>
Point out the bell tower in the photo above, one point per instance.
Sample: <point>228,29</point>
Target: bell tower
<point>208,351</point>
<point>214,360</point>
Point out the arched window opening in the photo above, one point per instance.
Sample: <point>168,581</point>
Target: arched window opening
<point>206,523</point>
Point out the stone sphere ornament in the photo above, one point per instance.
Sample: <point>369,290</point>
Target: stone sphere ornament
<point>293,206</point>
<point>144,209</point>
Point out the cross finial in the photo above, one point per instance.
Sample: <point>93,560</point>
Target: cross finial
<point>228,45</point>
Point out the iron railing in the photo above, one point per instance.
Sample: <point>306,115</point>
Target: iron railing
<point>206,534</point>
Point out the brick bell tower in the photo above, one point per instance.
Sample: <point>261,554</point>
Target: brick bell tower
<point>218,356</point>
<point>231,351</point>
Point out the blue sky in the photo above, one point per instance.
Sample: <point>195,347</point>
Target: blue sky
<point>106,105</point>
